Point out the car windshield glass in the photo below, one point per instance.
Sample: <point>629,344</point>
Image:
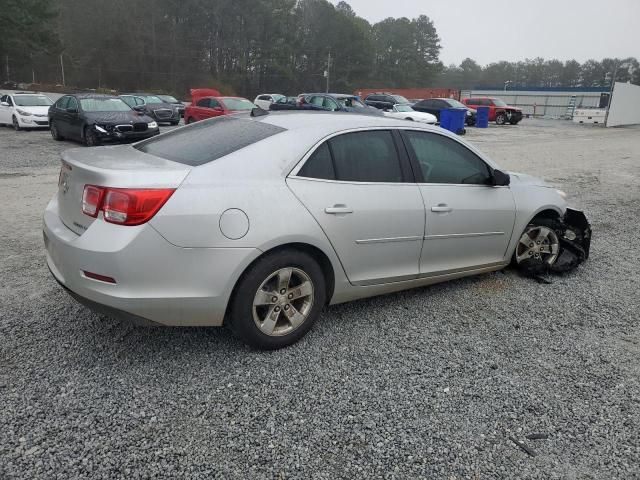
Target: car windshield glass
<point>238,104</point>
<point>277,97</point>
<point>498,103</point>
<point>168,98</point>
<point>208,140</point>
<point>150,98</point>
<point>104,105</point>
<point>455,103</point>
<point>404,108</point>
<point>350,102</point>
<point>400,99</point>
<point>32,101</point>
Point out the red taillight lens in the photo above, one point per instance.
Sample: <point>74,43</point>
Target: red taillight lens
<point>91,200</point>
<point>127,206</point>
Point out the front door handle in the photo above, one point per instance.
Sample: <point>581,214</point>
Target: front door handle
<point>441,208</point>
<point>338,209</point>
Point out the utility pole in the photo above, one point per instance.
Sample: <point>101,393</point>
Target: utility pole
<point>328,71</point>
<point>7,59</point>
<point>62,69</point>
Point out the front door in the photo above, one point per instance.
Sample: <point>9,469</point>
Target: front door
<point>360,191</point>
<point>468,221</point>
<point>5,111</point>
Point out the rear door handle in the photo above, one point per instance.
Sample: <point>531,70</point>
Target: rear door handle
<point>441,208</point>
<point>338,209</point>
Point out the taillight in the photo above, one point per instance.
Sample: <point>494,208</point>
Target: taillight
<point>124,206</point>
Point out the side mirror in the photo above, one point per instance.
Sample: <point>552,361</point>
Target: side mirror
<point>72,110</point>
<point>139,108</point>
<point>5,104</point>
<point>500,178</point>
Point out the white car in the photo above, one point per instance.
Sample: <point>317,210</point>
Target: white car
<point>405,112</point>
<point>266,99</point>
<point>25,110</point>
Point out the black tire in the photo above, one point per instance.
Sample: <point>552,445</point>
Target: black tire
<point>242,309</point>
<point>534,265</point>
<point>514,122</point>
<point>90,137</point>
<point>54,132</point>
<point>189,121</point>
<point>409,118</point>
<point>501,118</point>
<point>175,123</point>
<point>15,124</point>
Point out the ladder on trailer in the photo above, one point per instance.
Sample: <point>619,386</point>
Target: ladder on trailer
<point>570,108</point>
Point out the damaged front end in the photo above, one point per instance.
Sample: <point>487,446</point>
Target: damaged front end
<point>554,246</point>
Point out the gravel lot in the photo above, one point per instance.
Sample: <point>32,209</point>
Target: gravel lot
<point>429,383</point>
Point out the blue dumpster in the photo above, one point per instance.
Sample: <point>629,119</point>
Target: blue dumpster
<point>452,119</point>
<point>482,117</point>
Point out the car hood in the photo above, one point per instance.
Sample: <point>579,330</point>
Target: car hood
<point>423,115</point>
<point>35,110</point>
<point>524,179</point>
<point>116,118</point>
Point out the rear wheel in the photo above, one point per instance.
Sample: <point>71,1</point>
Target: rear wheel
<point>513,121</point>
<point>539,245</point>
<point>501,118</point>
<point>277,300</point>
<point>16,125</point>
<point>189,120</point>
<point>90,137</point>
<point>53,128</point>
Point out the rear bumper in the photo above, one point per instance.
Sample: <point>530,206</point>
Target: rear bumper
<point>156,281</point>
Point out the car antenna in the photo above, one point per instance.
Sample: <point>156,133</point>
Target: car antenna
<point>259,112</point>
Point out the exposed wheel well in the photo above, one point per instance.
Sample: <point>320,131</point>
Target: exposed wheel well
<point>549,213</point>
<point>317,254</point>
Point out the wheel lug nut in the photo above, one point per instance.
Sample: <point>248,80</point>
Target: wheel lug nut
<point>283,291</point>
<point>274,299</point>
<point>531,245</point>
<point>277,309</point>
<point>530,253</point>
<point>286,307</point>
<point>290,296</point>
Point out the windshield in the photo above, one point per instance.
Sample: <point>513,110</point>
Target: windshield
<point>32,100</point>
<point>498,103</point>
<point>104,105</point>
<point>168,98</point>
<point>238,104</point>
<point>400,99</point>
<point>455,103</point>
<point>150,98</point>
<point>351,102</point>
<point>277,97</point>
<point>403,108</point>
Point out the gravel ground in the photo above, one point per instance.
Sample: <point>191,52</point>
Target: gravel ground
<point>429,383</point>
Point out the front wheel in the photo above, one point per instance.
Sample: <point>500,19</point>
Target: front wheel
<point>539,245</point>
<point>91,137</point>
<point>277,300</point>
<point>501,119</point>
<point>16,125</point>
<point>189,120</point>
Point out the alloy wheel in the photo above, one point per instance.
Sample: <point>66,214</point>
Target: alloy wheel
<point>538,243</point>
<point>283,301</point>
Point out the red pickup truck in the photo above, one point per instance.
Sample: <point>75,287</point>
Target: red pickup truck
<point>499,111</point>
<point>207,103</point>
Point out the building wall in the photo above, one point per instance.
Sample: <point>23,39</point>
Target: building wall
<point>541,103</point>
<point>412,93</point>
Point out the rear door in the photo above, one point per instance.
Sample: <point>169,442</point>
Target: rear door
<point>359,188</point>
<point>73,120</point>
<point>468,222</point>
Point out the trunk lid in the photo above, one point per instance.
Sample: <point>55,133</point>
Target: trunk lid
<point>119,167</point>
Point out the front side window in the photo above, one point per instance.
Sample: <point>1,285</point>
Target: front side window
<point>238,104</point>
<point>73,104</point>
<point>498,103</point>
<point>203,102</point>
<point>62,103</point>
<point>443,160</point>
<point>329,104</point>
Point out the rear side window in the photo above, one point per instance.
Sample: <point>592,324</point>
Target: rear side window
<point>209,140</point>
<point>319,165</point>
<point>366,157</point>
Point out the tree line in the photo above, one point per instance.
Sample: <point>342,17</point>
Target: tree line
<point>247,47</point>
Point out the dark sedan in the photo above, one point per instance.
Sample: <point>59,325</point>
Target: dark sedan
<point>173,101</point>
<point>92,118</point>
<point>335,102</point>
<point>435,105</point>
<point>154,106</point>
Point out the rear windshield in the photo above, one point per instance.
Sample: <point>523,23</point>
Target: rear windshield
<point>206,141</point>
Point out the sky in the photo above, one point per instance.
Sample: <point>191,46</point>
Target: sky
<point>493,30</point>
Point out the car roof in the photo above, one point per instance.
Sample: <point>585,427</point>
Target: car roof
<point>90,95</point>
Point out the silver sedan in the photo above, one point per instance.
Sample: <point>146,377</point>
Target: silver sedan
<point>257,223</point>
